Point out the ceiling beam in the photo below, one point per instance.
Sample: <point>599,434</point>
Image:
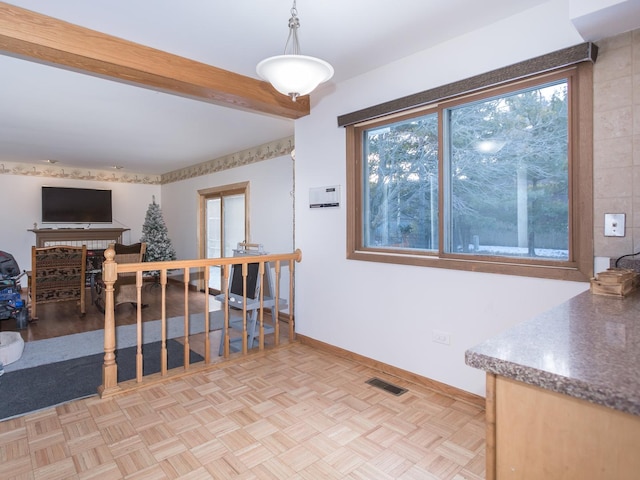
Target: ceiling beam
<point>31,36</point>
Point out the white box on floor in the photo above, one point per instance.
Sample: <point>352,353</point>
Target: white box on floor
<point>11,347</point>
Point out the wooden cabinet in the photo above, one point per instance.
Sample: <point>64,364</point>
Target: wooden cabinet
<point>539,434</point>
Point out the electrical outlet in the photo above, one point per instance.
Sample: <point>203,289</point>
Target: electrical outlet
<point>439,336</point>
<point>614,224</point>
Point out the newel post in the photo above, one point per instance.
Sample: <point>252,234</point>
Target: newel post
<point>109,367</point>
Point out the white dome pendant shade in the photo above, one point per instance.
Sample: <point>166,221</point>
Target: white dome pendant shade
<point>294,74</point>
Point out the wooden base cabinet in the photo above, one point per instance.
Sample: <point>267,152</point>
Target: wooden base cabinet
<point>535,434</point>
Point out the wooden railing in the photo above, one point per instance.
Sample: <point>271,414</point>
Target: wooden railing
<point>111,269</point>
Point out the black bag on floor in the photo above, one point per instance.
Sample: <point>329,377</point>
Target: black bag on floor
<point>8,266</point>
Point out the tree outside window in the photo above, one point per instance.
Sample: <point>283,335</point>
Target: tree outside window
<point>509,175</point>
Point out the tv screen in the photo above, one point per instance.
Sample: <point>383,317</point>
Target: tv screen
<point>75,205</point>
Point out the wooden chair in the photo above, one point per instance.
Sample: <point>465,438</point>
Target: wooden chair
<point>125,287</point>
<point>57,275</point>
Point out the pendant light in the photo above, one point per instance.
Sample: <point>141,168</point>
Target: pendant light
<point>294,74</point>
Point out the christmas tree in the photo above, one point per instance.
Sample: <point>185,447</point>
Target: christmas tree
<point>156,236</point>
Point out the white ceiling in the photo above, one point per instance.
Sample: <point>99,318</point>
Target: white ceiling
<point>87,122</point>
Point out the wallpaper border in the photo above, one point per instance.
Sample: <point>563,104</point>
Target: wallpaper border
<point>267,151</point>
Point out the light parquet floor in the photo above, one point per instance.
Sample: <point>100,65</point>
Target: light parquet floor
<point>294,413</point>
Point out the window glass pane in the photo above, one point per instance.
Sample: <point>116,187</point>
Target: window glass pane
<point>233,223</point>
<point>213,215</point>
<point>508,175</point>
<point>400,176</point>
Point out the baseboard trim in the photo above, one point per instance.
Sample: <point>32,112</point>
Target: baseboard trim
<point>395,371</point>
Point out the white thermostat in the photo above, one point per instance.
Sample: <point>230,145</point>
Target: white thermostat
<point>324,197</point>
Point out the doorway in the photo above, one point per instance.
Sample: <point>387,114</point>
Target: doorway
<point>224,222</point>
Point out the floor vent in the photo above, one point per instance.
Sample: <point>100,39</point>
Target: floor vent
<point>389,387</point>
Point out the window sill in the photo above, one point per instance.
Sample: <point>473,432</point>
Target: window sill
<point>569,272</point>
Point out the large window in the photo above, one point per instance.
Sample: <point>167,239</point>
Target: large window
<point>496,181</point>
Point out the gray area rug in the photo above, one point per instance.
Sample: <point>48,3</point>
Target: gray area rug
<point>31,389</point>
<point>52,350</point>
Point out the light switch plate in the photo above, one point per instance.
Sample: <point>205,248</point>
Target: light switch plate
<point>614,224</point>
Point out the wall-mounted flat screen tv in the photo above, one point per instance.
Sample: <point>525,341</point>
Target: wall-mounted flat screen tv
<point>76,205</point>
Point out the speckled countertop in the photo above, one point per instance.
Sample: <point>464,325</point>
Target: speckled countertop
<point>587,347</point>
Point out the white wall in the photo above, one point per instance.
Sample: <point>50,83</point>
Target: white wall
<point>270,205</point>
<point>388,312</point>
<point>270,208</point>
<point>21,209</point>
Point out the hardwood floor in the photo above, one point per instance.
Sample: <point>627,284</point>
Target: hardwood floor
<point>293,412</point>
<point>63,318</point>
